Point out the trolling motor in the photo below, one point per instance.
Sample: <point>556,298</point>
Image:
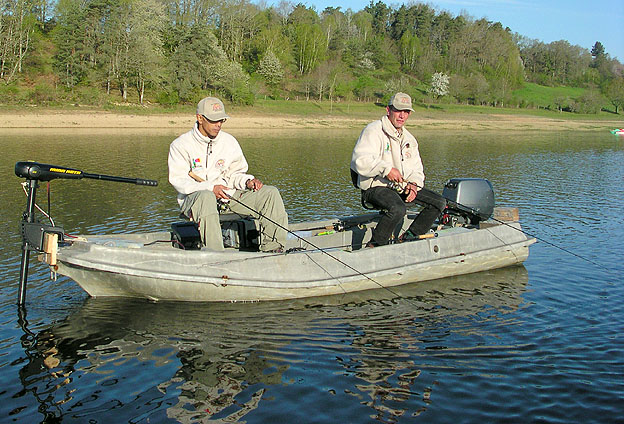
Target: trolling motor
<point>37,236</point>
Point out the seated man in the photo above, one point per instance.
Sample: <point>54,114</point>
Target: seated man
<point>389,171</point>
<point>206,166</point>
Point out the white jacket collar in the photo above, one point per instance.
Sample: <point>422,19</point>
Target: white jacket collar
<point>202,138</point>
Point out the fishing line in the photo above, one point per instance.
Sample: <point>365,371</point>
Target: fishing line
<point>476,213</point>
<point>316,247</point>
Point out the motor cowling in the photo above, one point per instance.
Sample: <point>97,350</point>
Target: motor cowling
<point>470,198</point>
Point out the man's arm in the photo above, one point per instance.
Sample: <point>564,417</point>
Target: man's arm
<point>367,159</point>
<point>236,175</point>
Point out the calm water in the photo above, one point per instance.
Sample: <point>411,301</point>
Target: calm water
<point>537,343</point>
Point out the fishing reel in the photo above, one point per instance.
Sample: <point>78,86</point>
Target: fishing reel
<point>400,188</point>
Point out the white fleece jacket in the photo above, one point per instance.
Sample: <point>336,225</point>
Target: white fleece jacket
<point>216,161</point>
<point>381,148</point>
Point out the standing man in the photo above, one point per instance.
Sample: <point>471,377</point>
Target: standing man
<point>207,166</point>
<point>386,165</point>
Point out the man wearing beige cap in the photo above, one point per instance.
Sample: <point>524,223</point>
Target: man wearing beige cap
<point>207,167</point>
<point>386,166</point>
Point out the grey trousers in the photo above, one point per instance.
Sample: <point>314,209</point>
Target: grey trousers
<point>202,207</point>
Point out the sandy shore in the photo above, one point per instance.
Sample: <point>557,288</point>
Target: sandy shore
<point>104,121</point>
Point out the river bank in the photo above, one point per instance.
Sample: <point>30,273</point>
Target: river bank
<point>61,120</point>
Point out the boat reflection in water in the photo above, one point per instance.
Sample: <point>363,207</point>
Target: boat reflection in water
<point>132,360</point>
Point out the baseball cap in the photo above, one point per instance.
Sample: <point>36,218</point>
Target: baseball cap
<point>401,101</point>
<point>212,108</point>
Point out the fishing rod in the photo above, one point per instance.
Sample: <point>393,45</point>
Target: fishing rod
<point>320,249</point>
<point>200,179</point>
<point>35,234</point>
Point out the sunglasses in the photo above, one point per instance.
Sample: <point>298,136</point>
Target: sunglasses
<point>214,122</point>
<point>393,109</point>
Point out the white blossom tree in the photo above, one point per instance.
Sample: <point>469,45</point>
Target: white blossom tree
<point>439,84</point>
<point>271,69</point>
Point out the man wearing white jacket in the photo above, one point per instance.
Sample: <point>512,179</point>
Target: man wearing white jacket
<point>207,166</point>
<point>386,165</point>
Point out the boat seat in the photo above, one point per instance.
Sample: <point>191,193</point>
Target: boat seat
<point>228,216</point>
<point>354,180</point>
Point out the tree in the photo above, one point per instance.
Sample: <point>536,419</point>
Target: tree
<point>134,45</point>
<point>439,84</point>
<point>16,29</point>
<point>615,93</point>
<point>477,87</point>
<point>146,60</point>
<point>69,38</point>
<point>589,102</point>
<point>271,69</point>
<point>458,88</point>
<point>380,16</point>
<point>410,51</point>
<point>598,50</point>
<point>307,37</point>
<point>189,51</point>
<point>236,25</point>
<point>270,36</point>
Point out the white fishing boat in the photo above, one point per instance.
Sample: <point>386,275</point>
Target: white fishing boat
<point>321,258</point>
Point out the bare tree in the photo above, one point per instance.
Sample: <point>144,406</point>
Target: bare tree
<point>16,28</point>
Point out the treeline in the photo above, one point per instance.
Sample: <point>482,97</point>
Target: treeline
<point>176,51</point>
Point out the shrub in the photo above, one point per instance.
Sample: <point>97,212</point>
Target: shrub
<point>168,98</point>
<point>588,102</point>
<point>42,93</point>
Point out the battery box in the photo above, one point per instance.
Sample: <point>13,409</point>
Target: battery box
<point>186,235</point>
<point>240,232</point>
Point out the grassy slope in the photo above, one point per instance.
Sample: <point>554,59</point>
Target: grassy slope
<point>542,96</point>
<point>532,94</point>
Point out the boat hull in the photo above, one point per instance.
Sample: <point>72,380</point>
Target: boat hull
<point>114,266</point>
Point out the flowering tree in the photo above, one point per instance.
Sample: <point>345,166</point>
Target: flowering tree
<point>271,69</point>
<point>439,84</point>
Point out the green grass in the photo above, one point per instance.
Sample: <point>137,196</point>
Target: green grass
<point>369,110</point>
<point>542,96</point>
<point>538,98</point>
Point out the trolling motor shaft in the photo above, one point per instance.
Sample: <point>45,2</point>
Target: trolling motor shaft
<point>33,233</point>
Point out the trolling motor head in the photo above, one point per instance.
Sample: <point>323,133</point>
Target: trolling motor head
<point>44,172</point>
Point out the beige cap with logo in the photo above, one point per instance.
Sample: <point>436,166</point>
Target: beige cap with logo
<point>401,101</point>
<point>212,108</point>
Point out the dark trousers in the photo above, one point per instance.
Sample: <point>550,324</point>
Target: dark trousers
<point>395,208</point>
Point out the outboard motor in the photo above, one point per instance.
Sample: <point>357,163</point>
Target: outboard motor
<point>471,199</point>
